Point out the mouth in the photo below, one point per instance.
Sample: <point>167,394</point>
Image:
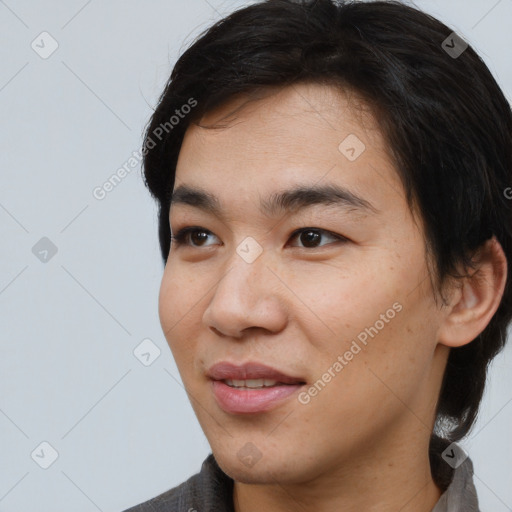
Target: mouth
<point>252,383</point>
<point>252,387</point>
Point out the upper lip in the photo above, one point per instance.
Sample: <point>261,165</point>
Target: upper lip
<point>250,370</point>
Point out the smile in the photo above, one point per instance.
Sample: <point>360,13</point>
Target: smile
<point>251,388</point>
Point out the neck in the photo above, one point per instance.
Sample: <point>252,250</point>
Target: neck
<point>398,479</point>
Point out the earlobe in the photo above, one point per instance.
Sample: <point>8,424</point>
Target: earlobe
<point>477,298</point>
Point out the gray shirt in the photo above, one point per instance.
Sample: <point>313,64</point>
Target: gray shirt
<point>211,490</point>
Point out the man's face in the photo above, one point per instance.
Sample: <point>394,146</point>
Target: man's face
<point>343,308</point>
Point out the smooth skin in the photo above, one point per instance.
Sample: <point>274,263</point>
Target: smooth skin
<point>362,442</point>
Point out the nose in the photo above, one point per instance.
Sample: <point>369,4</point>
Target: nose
<point>248,296</point>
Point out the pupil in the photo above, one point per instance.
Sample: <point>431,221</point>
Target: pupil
<point>308,240</point>
<point>197,236</point>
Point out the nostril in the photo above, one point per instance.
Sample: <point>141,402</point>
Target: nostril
<point>217,332</point>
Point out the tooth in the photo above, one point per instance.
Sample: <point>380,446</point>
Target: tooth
<point>254,383</point>
<point>251,383</point>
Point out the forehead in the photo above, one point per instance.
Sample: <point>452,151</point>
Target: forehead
<point>303,134</point>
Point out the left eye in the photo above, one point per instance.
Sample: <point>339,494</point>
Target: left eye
<point>309,237</point>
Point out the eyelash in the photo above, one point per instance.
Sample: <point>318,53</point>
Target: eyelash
<point>179,239</point>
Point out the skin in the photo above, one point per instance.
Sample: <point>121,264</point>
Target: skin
<point>362,442</point>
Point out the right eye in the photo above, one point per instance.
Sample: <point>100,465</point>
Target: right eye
<point>190,234</point>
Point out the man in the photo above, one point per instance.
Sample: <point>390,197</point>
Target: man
<point>332,180</point>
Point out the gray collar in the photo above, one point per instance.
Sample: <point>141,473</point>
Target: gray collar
<point>461,493</point>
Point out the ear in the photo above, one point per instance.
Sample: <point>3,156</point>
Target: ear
<point>474,301</point>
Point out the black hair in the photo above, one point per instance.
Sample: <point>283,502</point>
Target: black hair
<point>445,119</point>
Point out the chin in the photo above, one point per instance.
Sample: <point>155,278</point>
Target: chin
<point>259,473</point>
<point>265,470</point>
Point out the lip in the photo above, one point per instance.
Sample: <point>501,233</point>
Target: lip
<point>250,370</point>
<point>247,401</point>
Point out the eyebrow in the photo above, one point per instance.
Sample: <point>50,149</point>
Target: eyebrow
<point>287,201</point>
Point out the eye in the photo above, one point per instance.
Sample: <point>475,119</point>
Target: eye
<point>309,237</point>
<point>195,236</point>
<point>183,236</point>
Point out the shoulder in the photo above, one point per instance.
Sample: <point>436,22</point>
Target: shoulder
<point>210,489</point>
<point>174,499</point>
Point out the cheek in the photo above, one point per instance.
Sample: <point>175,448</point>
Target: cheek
<point>386,359</point>
<point>177,299</point>
<point>167,305</point>
<point>341,301</point>
<point>176,304</point>
<point>370,313</point>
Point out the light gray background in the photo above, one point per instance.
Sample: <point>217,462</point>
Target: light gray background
<point>125,432</point>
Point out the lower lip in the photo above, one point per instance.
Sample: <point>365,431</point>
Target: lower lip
<point>236,400</point>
